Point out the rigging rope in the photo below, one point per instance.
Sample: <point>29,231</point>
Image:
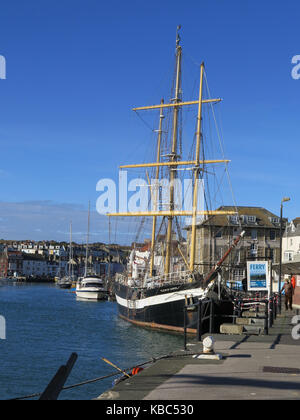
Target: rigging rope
<point>221,145</point>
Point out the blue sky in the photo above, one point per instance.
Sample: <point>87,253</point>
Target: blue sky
<point>76,68</point>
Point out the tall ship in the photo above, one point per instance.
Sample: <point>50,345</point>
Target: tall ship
<point>163,274</point>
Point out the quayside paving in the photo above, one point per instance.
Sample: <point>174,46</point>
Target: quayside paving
<point>252,367</point>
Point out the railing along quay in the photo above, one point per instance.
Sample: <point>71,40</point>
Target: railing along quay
<point>205,311</point>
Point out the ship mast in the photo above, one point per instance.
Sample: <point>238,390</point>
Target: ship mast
<point>197,171</point>
<point>173,156</point>
<point>161,117</point>
<point>87,244</point>
<point>71,268</point>
<point>172,164</point>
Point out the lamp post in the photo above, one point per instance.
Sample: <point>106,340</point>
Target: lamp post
<point>280,250</point>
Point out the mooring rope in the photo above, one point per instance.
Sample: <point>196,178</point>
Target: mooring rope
<point>153,360</point>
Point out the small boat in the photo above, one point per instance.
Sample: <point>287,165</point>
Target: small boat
<point>65,283</point>
<point>91,287</point>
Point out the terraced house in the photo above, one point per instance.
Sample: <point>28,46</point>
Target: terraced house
<point>217,233</point>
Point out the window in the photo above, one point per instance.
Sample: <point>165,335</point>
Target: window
<point>288,256</point>
<point>253,233</point>
<point>251,219</point>
<point>237,258</point>
<point>253,250</point>
<point>274,220</point>
<point>238,273</point>
<point>234,219</point>
<point>272,235</point>
<point>220,253</point>
<point>219,233</point>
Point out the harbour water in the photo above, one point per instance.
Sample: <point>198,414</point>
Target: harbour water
<point>45,324</point>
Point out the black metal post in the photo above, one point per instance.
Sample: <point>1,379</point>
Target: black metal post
<point>266,329</point>
<point>240,308</point>
<point>270,312</point>
<point>234,313</point>
<point>200,320</point>
<point>184,326</point>
<point>211,317</point>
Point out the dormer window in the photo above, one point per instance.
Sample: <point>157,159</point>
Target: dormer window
<point>248,219</point>
<point>234,219</point>
<point>274,220</point>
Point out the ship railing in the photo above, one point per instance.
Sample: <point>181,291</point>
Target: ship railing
<point>178,277</point>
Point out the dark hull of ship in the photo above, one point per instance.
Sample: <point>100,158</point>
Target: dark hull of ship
<point>163,308</point>
<point>65,286</point>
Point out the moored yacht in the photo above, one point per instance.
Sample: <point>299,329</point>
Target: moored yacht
<point>91,287</point>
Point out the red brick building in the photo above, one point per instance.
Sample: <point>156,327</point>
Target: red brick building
<point>11,262</point>
<point>3,263</point>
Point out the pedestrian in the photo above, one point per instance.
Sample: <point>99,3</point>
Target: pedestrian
<point>289,293</point>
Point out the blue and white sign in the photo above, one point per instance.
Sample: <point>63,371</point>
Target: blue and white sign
<point>258,275</point>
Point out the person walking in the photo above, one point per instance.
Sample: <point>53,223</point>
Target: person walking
<point>289,293</point>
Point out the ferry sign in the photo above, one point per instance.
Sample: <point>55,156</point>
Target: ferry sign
<point>258,275</point>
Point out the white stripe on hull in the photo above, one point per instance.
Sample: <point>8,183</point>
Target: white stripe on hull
<point>90,295</point>
<point>159,299</point>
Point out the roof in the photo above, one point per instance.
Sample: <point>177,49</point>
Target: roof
<point>296,221</point>
<point>263,218</point>
<point>290,233</point>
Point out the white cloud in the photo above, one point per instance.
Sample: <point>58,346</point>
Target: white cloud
<point>46,220</point>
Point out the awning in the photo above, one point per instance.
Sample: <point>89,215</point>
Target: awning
<point>288,268</point>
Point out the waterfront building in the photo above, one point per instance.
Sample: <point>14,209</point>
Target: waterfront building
<point>291,242</point>
<point>11,262</point>
<point>216,233</point>
<point>49,259</point>
<point>37,265</point>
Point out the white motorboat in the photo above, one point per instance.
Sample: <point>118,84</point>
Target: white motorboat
<point>91,287</point>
